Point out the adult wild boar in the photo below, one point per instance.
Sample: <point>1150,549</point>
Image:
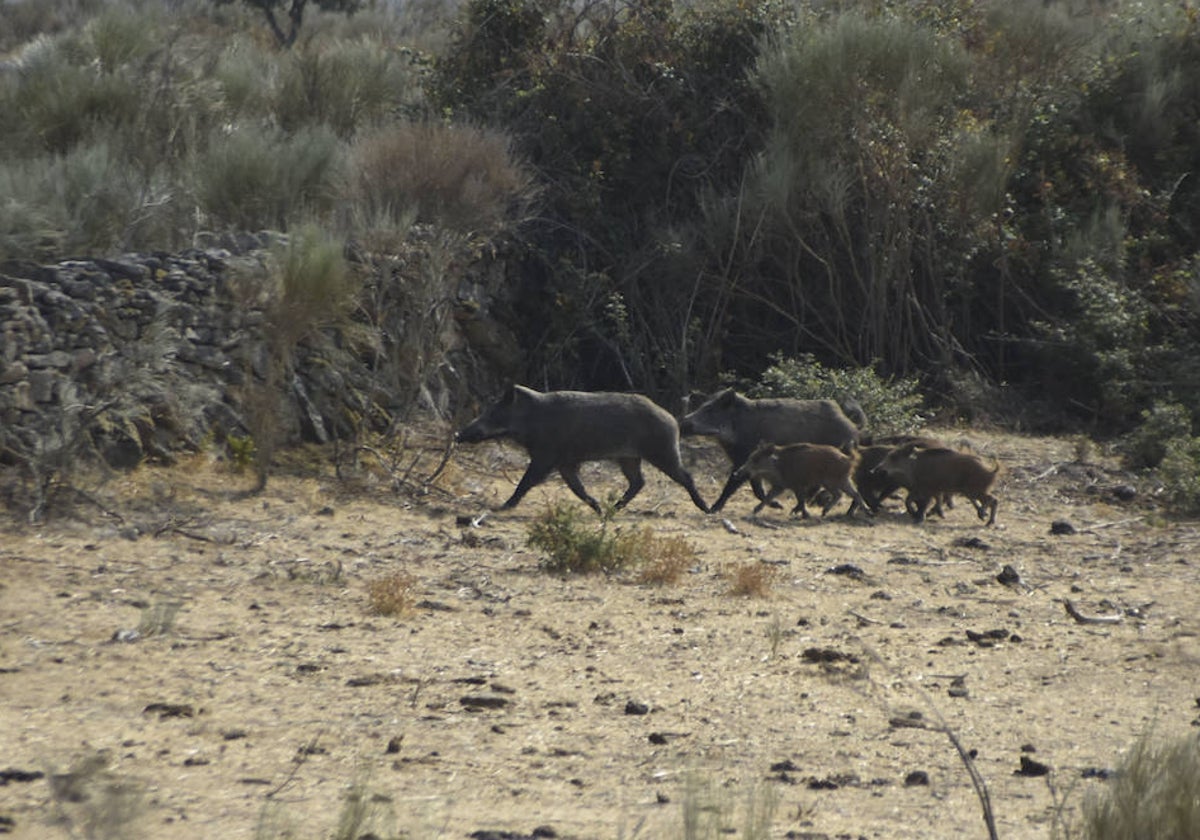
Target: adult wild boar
<point>804,468</point>
<point>930,474</point>
<point>562,429</point>
<point>741,424</point>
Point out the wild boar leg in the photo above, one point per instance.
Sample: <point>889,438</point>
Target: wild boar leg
<point>672,467</point>
<point>570,474</point>
<point>535,474</point>
<point>858,501</point>
<point>731,487</point>
<point>801,507</point>
<point>769,499</point>
<point>632,467</point>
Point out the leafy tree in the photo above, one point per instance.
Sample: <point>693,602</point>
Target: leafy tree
<point>294,11</point>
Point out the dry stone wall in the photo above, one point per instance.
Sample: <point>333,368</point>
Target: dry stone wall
<point>150,354</point>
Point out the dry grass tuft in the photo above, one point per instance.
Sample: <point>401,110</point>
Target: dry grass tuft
<point>392,595</point>
<point>667,559</point>
<point>752,580</point>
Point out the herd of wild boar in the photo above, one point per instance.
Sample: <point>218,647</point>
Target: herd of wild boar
<point>810,447</point>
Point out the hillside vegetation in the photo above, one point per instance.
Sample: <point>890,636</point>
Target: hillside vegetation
<point>997,199</point>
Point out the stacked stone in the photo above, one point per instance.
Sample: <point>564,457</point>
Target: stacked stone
<point>153,339</point>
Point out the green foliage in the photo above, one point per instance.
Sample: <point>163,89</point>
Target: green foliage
<point>347,86</point>
<point>892,405</point>
<point>242,451</point>
<point>574,544</point>
<point>1146,446</point>
<point>317,287</point>
<point>251,177</point>
<point>630,113</point>
<point>1155,793</point>
<point>1179,472</point>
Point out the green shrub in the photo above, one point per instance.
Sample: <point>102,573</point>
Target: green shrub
<point>252,177</point>
<point>88,200</point>
<point>574,544</point>
<point>892,406</point>
<point>1180,475</point>
<point>346,86</point>
<point>1146,446</point>
<point>316,285</point>
<point>1155,794</point>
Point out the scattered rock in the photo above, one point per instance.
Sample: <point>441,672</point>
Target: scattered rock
<point>912,720</point>
<point>972,542</point>
<point>916,778</point>
<point>848,569</point>
<point>393,745</point>
<point>1008,576</point>
<point>632,707</point>
<point>483,701</point>
<point>828,655</point>
<point>170,710</point>
<point>14,775</point>
<point>1031,768</point>
<point>1124,492</point>
<point>1062,528</point>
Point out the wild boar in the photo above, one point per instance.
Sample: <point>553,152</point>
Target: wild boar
<point>929,474</point>
<point>563,429</point>
<point>875,486</point>
<point>804,468</point>
<point>741,424</point>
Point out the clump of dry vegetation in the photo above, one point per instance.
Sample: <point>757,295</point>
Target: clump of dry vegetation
<point>1154,793</point>
<point>668,558</point>
<point>392,595</point>
<point>753,579</point>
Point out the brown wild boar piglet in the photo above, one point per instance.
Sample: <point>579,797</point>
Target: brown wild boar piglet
<point>804,468</point>
<point>929,474</point>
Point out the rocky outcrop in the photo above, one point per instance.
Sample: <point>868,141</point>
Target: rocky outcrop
<point>150,354</point>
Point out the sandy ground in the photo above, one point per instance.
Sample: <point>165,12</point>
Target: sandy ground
<point>509,702</point>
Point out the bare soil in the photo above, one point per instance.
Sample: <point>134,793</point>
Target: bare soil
<point>509,702</point>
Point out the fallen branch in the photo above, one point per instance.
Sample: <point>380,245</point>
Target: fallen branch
<point>1093,528</point>
<point>1090,619</point>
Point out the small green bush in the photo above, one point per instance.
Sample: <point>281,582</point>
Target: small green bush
<point>317,287</point>
<point>575,546</point>
<point>1146,446</point>
<point>1155,794</point>
<point>253,177</point>
<point>346,86</point>
<point>892,406</point>
<point>1180,475</point>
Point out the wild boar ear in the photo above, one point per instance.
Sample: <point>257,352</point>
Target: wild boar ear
<point>724,398</point>
<point>519,392</point>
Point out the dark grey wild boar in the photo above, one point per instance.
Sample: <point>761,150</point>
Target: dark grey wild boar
<point>562,429</point>
<point>804,468</point>
<point>930,474</point>
<point>741,424</point>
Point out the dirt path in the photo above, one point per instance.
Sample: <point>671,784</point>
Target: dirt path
<point>511,700</point>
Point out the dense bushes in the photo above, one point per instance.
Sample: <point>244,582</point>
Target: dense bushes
<point>947,193</point>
